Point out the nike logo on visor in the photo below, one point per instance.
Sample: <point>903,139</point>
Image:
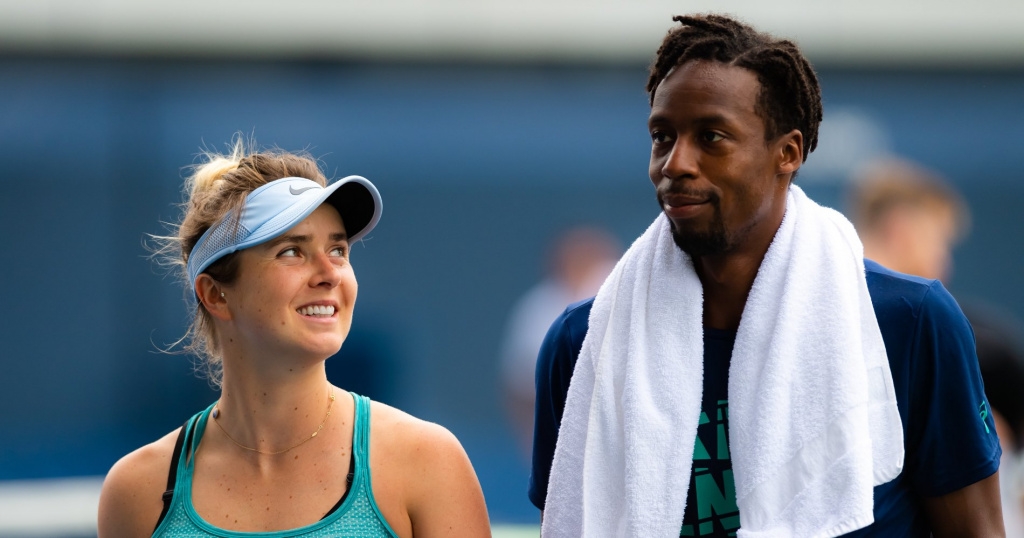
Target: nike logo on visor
<point>295,191</point>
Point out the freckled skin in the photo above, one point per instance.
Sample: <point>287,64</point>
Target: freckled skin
<point>276,279</point>
<point>419,495</point>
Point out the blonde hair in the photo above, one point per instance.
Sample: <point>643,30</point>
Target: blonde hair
<point>889,184</point>
<point>217,186</point>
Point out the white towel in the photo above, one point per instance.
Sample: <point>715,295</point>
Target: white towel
<point>813,423</point>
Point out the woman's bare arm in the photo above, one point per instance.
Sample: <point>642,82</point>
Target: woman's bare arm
<point>447,501</point>
<point>423,480</point>
<point>131,498</point>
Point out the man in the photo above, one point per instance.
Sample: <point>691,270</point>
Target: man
<point>908,218</point>
<point>729,383</point>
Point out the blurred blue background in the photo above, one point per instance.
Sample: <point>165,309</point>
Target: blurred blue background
<point>480,165</point>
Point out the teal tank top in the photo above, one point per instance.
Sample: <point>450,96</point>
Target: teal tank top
<point>357,517</point>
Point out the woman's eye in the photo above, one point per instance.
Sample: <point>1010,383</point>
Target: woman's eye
<point>289,252</point>
<point>338,251</point>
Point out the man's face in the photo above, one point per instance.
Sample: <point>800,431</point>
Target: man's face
<point>717,178</point>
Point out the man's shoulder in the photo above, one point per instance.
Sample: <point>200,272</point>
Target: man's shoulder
<point>562,344</point>
<point>572,325</point>
<point>901,297</point>
<point>884,284</point>
<point>577,315</point>
<point>899,300</point>
<point>555,364</point>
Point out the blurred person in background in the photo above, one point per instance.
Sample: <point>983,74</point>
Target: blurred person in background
<point>908,217</point>
<point>578,261</point>
<point>744,370</point>
<point>1001,357</point>
<point>264,243</point>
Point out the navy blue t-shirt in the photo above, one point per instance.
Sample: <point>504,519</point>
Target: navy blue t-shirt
<point>949,435</point>
<point>711,498</point>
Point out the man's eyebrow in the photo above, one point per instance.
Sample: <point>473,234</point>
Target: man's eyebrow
<point>707,118</point>
<point>656,118</point>
<point>712,118</point>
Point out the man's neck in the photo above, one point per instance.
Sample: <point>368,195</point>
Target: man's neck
<point>727,280</point>
<point>728,277</point>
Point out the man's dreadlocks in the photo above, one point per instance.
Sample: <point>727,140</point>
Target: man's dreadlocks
<point>790,96</point>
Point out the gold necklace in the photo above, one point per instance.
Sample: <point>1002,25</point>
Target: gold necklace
<point>216,420</point>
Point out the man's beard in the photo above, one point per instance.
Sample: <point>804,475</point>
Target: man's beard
<point>713,240</point>
<point>705,243</point>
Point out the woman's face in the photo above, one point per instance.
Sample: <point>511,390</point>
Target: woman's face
<point>294,295</point>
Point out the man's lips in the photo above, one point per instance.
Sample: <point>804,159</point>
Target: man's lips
<point>683,206</point>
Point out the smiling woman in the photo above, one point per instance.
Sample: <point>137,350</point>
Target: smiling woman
<point>264,244</point>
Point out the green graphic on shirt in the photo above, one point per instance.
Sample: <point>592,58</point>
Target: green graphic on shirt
<point>983,413</point>
<point>714,490</point>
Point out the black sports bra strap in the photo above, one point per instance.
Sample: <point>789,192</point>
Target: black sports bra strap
<point>348,485</point>
<point>172,475</point>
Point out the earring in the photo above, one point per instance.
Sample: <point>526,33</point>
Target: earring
<point>222,294</point>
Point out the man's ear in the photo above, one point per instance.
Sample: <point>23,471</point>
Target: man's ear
<point>790,152</point>
<point>212,296</point>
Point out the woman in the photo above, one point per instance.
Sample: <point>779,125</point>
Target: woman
<point>282,452</point>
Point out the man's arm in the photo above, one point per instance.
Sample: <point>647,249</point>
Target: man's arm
<point>555,363</point>
<point>974,511</point>
<point>958,453</point>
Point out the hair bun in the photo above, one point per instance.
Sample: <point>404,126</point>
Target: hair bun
<point>207,174</point>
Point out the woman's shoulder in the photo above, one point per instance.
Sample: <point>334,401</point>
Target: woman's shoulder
<point>131,498</point>
<point>411,437</point>
<point>430,472</point>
